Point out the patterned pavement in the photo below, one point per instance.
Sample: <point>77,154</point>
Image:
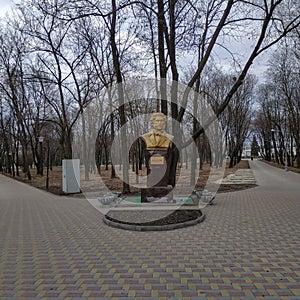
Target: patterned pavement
<point>248,247</point>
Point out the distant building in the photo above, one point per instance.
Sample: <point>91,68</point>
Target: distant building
<point>246,151</point>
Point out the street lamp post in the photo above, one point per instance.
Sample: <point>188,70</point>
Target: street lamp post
<point>9,162</point>
<point>274,144</point>
<point>12,163</point>
<point>41,140</point>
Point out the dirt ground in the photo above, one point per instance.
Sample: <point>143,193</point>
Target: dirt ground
<point>115,184</point>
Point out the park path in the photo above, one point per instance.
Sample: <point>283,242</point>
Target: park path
<point>248,247</point>
<point>275,179</point>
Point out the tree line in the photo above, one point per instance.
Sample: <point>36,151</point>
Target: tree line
<point>278,114</point>
<point>61,59</point>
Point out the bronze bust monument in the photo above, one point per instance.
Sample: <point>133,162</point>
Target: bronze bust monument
<point>158,154</point>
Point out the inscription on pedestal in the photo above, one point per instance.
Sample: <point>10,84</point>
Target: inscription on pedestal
<point>157,160</point>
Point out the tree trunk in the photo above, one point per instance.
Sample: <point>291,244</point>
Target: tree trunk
<point>112,132</point>
<point>174,152</point>
<point>84,146</point>
<point>298,154</point>
<point>195,124</point>
<point>117,68</point>
<point>275,150</point>
<point>17,160</point>
<point>161,56</point>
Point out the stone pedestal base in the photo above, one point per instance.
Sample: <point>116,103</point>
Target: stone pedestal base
<point>157,195</point>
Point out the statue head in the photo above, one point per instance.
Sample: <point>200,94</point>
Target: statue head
<point>157,138</point>
<point>158,121</point>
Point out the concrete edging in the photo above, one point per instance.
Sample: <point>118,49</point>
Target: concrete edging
<point>152,227</point>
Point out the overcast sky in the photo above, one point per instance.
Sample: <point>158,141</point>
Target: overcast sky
<point>244,48</point>
<point>4,6</point>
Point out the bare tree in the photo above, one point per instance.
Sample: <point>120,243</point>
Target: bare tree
<point>12,85</point>
<point>280,105</point>
<point>61,65</point>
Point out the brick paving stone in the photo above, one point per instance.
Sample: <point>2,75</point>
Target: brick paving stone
<point>248,247</point>
<point>29,294</point>
<point>98,294</point>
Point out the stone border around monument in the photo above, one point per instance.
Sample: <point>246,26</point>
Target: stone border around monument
<point>134,227</point>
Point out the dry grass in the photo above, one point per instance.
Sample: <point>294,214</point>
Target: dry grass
<point>115,184</point>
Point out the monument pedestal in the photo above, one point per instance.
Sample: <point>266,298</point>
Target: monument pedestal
<point>158,169</point>
<point>157,195</point>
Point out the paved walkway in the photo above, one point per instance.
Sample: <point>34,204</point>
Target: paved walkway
<point>247,248</point>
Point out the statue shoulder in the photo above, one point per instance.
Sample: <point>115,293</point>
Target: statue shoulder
<point>146,134</point>
<point>169,136</point>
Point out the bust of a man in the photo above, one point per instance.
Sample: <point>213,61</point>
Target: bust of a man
<point>158,139</point>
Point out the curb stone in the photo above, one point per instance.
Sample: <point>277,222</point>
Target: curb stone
<point>153,227</point>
